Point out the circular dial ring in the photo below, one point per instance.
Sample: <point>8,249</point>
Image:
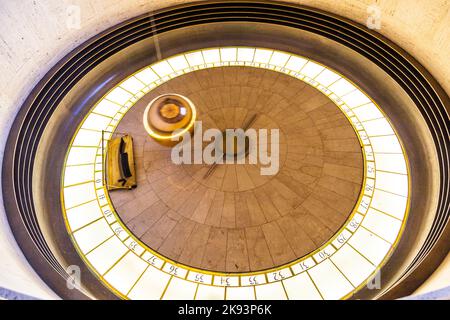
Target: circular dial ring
<point>335,270</point>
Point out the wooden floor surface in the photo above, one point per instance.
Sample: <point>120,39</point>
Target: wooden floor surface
<point>236,219</point>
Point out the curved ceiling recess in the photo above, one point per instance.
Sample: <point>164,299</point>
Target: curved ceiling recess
<point>430,99</point>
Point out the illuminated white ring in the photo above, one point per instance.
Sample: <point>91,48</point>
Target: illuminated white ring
<point>335,270</point>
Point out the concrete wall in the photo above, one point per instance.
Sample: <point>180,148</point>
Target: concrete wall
<point>438,280</point>
<point>36,34</point>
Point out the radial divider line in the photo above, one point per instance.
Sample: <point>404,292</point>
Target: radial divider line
<point>83,203</point>
<point>89,129</point>
<point>100,114</point>
<point>378,135</point>
<point>104,241</point>
<point>196,290</point>
<point>128,91</point>
<point>377,235</point>
<point>135,283</point>
<point>284,289</point>
<point>114,264</point>
<point>84,146</point>
<point>165,289</point>
<point>388,214</point>
<point>86,225</point>
<point>393,193</point>
<point>314,284</point>
<point>369,120</point>
<point>343,274</point>
<point>357,251</point>
<point>78,184</point>
<point>109,100</point>
<point>81,164</point>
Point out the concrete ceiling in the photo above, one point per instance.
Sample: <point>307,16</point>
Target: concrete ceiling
<point>36,34</point>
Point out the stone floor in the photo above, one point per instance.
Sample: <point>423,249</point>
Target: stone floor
<point>237,220</point>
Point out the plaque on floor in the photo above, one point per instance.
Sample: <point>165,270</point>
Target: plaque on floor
<point>120,169</point>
